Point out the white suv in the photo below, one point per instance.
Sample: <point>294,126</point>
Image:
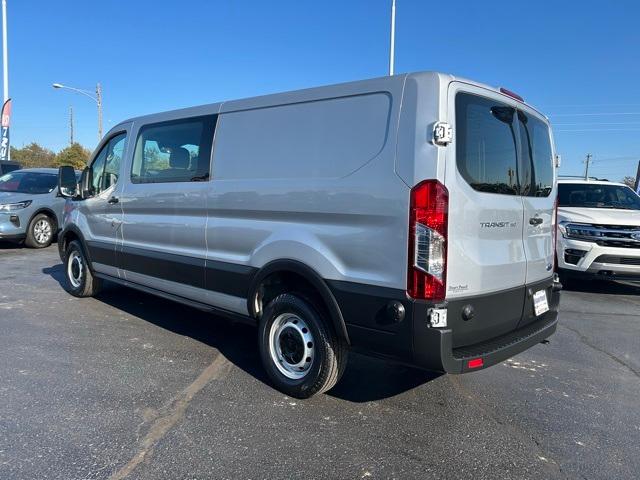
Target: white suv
<point>599,224</point>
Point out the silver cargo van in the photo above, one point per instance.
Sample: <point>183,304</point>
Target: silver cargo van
<point>409,217</point>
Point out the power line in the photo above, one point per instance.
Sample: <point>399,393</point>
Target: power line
<point>584,124</point>
<point>593,105</point>
<point>591,114</point>
<point>601,130</point>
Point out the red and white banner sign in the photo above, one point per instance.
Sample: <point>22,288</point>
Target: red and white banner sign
<point>4,133</point>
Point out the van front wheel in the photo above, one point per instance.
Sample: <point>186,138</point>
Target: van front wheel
<point>80,281</point>
<point>299,350</point>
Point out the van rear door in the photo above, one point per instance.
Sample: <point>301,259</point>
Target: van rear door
<point>538,196</point>
<point>487,265</point>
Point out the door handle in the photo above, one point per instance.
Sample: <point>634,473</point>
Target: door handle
<point>113,200</point>
<point>535,221</point>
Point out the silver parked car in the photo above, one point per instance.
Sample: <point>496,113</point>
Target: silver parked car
<point>29,206</point>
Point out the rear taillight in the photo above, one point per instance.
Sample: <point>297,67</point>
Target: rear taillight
<point>428,219</point>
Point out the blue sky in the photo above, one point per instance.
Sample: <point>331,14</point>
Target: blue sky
<point>577,61</point>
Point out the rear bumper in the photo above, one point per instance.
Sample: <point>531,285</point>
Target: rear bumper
<point>437,352</point>
<point>412,341</point>
<point>435,348</point>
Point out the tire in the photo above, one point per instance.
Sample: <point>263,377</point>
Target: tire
<point>292,331</point>
<point>40,231</point>
<point>79,280</point>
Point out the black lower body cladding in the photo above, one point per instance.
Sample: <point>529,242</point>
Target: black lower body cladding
<point>503,325</point>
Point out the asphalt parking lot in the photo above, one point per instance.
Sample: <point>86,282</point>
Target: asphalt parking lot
<point>131,386</point>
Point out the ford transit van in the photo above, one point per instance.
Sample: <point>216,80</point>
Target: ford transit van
<point>409,217</point>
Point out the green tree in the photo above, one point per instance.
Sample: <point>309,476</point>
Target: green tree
<point>629,181</point>
<point>33,156</point>
<point>75,155</point>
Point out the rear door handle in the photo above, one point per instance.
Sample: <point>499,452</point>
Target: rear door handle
<point>113,200</point>
<point>535,221</point>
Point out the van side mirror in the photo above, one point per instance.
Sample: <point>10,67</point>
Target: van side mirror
<point>67,182</point>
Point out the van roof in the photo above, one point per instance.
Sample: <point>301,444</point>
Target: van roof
<point>285,96</point>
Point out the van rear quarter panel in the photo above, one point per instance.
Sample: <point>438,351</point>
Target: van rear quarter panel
<point>424,98</point>
<point>270,200</point>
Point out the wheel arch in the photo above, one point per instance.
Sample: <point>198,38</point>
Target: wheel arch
<point>288,267</point>
<point>49,213</point>
<point>69,234</point>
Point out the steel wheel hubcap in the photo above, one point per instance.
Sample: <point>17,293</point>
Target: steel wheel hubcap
<point>291,346</point>
<point>42,231</point>
<point>75,269</point>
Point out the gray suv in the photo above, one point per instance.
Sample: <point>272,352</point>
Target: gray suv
<point>29,206</point>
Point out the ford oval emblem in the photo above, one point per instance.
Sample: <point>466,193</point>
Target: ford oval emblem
<point>636,236</point>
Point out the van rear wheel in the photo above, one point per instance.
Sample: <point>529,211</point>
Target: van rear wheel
<point>80,281</point>
<point>300,351</point>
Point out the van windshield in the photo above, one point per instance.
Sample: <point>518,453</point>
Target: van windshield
<point>597,196</point>
<point>34,183</point>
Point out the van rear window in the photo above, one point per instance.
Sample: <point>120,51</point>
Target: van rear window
<point>486,144</point>
<point>497,153</point>
<point>537,158</point>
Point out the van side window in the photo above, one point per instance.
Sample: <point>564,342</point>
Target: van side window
<point>486,144</point>
<point>114,160</point>
<point>174,151</point>
<point>105,168</point>
<point>96,171</point>
<point>537,157</point>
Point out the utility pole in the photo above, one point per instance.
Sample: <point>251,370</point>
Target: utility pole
<point>586,166</point>
<point>392,46</point>
<point>71,125</point>
<point>99,100</point>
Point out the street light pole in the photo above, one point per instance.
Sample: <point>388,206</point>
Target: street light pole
<point>5,59</point>
<point>97,98</point>
<point>392,46</point>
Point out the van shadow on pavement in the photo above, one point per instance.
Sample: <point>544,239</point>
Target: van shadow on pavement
<point>365,379</point>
